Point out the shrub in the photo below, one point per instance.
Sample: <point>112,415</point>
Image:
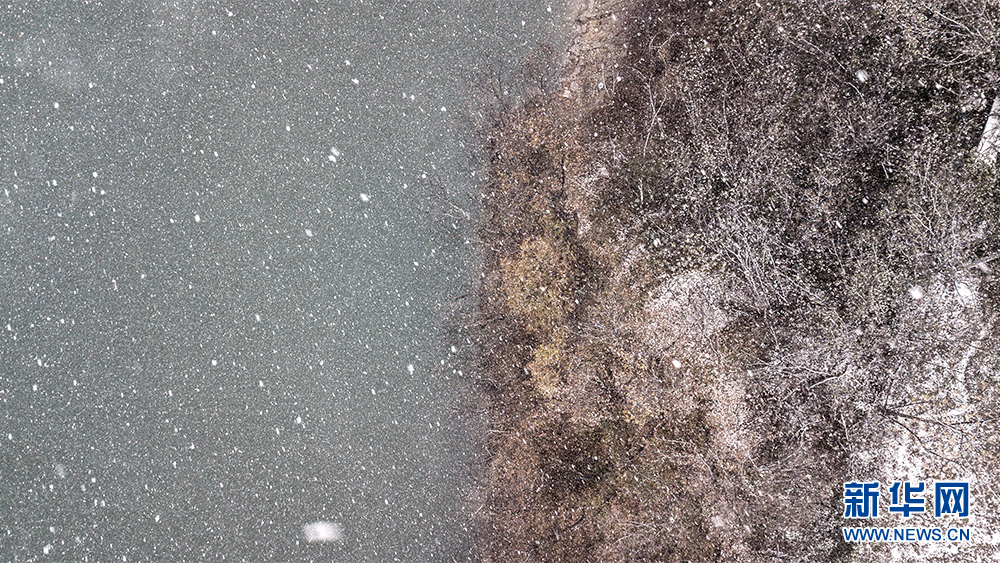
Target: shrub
<point>545,367</point>
<point>814,160</point>
<point>538,284</point>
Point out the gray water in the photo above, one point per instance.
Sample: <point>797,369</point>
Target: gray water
<point>222,299</point>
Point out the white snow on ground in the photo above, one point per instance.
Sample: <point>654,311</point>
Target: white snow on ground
<point>963,290</point>
<point>684,318</point>
<point>940,433</point>
<point>989,144</point>
<point>683,313</point>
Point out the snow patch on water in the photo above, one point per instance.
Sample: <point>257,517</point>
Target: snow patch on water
<point>323,532</point>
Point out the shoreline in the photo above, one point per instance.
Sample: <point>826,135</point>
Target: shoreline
<point>697,316</point>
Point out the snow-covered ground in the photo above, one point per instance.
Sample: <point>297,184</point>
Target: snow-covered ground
<point>943,413</point>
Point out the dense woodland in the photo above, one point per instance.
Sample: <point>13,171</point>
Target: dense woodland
<point>752,245</point>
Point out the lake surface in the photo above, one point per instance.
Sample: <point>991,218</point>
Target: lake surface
<point>222,299</point>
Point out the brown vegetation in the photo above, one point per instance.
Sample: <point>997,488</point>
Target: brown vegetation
<point>694,307</point>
